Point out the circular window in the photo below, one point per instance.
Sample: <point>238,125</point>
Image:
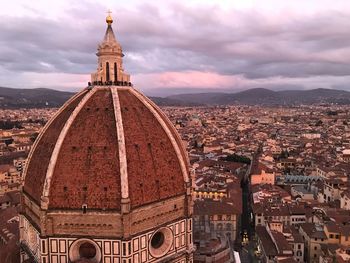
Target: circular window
<point>157,240</point>
<point>87,250</point>
<point>161,242</point>
<point>84,249</point>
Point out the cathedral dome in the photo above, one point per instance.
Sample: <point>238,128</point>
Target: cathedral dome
<point>105,145</point>
<point>107,179</point>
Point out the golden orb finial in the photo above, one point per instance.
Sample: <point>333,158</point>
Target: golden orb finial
<point>109,18</point>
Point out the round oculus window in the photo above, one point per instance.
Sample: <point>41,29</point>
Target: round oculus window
<point>161,242</point>
<point>157,240</point>
<point>87,250</point>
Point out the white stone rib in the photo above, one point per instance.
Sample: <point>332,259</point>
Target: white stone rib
<point>47,125</point>
<point>167,131</point>
<point>58,145</point>
<point>121,143</point>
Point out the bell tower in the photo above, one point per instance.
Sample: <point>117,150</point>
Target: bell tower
<point>110,60</point>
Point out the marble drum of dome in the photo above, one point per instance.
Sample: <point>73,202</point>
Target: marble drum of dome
<point>107,179</point>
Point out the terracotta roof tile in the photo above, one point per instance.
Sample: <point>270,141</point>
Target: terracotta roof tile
<point>153,168</point>
<point>38,164</point>
<point>87,170</point>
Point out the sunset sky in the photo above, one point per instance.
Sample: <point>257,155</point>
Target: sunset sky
<point>179,44</point>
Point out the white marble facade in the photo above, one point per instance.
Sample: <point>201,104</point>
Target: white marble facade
<point>138,249</point>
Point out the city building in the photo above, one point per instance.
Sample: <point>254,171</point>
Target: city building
<point>273,245</point>
<point>218,218</point>
<point>314,237</point>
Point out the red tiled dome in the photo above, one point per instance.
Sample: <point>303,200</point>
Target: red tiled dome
<point>105,144</point>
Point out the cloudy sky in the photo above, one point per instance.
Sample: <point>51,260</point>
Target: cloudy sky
<point>233,44</point>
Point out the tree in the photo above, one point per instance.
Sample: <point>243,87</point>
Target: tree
<point>237,158</point>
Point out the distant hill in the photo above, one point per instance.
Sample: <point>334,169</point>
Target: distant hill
<point>32,98</point>
<point>173,102</point>
<point>260,96</point>
<point>40,98</point>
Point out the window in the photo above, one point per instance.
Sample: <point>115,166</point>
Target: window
<point>124,249</point>
<point>160,242</point>
<point>87,250</point>
<point>43,246</point>
<point>84,207</point>
<point>115,72</point>
<point>157,240</point>
<point>315,248</point>
<point>107,71</point>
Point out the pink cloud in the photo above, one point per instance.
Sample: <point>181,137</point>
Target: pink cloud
<point>194,79</point>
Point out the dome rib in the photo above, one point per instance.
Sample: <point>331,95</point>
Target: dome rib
<point>87,170</point>
<point>121,143</point>
<point>59,142</point>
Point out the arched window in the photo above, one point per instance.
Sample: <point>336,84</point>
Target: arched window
<point>107,71</point>
<point>228,226</point>
<point>115,72</point>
